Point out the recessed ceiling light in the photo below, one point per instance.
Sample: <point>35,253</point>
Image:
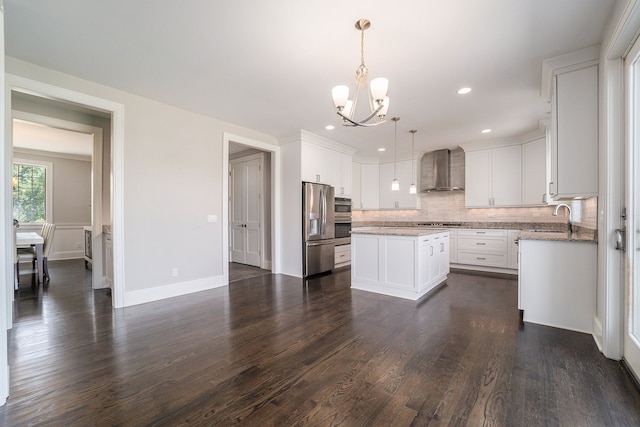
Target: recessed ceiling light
<point>485,130</point>
<point>382,149</point>
<point>464,90</point>
<point>329,127</point>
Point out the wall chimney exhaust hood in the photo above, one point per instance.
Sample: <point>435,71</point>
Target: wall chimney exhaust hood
<point>439,171</point>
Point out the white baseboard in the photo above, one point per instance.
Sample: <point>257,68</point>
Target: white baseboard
<point>57,256</point>
<point>266,265</point>
<point>173,290</point>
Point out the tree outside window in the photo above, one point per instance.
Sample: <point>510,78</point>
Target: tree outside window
<point>29,192</point>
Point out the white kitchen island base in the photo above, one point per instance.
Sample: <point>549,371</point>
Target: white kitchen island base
<point>399,262</point>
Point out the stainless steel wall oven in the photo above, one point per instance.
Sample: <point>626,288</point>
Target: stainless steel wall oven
<point>342,219</point>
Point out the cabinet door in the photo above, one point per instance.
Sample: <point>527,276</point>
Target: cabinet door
<point>477,178</point>
<point>344,187</point>
<point>313,163</point>
<point>370,184</point>
<point>506,176</point>
<point>512,242</point>
<point>388,198</point>
<point>577,133</point>
<point>356,185</point>
<point>534,172</point>
<point>407,175</point>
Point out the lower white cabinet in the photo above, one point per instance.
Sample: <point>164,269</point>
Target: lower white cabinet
<point>342,255</point>
<point>557,283</point>
<point>512,246</point>
<point>485,249</point>
<point>400,266</point>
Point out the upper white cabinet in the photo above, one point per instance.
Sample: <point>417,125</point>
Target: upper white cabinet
<point>574,134</point>
<point>325,165</point>
<point>493,177</point>
<point>356,185</point>
<point>374,185</point>
<point>404,171</point>
<point>370,186</point>
<point>534,172</point>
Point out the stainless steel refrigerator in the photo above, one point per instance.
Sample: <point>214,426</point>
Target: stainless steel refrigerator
<point>318,228</point>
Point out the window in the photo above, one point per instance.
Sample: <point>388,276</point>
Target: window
<point>32,191</point>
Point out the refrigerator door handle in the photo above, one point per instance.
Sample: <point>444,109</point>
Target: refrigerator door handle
<point>323,213</point>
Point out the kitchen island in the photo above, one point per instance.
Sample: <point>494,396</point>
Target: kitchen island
<point>400,262</point>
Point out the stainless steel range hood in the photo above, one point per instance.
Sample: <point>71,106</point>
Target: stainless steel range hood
<point>435,172</point>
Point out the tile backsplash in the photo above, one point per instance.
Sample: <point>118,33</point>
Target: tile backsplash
<point>448,206</point>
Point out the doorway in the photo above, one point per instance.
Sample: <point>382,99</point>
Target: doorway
<point>80,200</point>
<point>254,160</point>
<point>247,210</point>
<point>631,352</point>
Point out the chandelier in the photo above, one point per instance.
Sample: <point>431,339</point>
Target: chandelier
<point>376,91</point>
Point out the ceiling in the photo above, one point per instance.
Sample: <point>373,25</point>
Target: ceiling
<point>270,65</point>
<point>33,136</point>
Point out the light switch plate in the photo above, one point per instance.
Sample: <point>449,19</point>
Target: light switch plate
<point>212,218</point>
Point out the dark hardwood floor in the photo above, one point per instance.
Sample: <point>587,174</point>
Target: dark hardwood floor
<point>279,351</point>
<point>242,271</point>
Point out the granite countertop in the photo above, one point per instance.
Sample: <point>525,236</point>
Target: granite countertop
<point>580,236</point>
<point>400,231</point>
<point>544,231</point>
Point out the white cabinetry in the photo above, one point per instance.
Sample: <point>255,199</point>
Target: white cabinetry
<point>487,248</point>
<point>400,266</point>
<point>356,185</point>
<point>512,245</point>
<point>404,171</point>
<point>574,134</point>
<point>370,186</point>
<point>321,164</point>
<point>534,155</point>
<point>557,283</point>
<point>493,177</point>
<point>453,246</point>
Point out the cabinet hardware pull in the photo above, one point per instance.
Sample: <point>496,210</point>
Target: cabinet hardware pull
<point>480,243</point>
<point>480,258</point>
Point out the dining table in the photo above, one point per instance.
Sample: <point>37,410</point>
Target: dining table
<point>25,239</point>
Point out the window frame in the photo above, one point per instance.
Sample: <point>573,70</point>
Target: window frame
<point>48,201</point>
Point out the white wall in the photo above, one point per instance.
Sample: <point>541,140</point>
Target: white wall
<point>172,180</point>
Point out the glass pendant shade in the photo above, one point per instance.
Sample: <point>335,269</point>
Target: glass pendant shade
<point>379,88</point>
<point>340,95</point>
<point>395,185</point>
<point>412,189</point>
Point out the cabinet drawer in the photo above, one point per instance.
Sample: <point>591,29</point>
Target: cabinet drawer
<point>342,255</point>
<point>482,244</point>
<point>478,258</point>
<point>485,233</point>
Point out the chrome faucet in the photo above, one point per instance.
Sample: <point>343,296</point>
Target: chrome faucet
<point>555,213</point>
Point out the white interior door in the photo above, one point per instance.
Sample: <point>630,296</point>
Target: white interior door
<point>632,178</point>
<point>245,225</point>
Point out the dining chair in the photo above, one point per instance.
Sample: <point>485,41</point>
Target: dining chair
<point>29,254</point>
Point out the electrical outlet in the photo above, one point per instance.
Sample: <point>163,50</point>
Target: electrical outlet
<point>174,272</point>
<point>212,218</point>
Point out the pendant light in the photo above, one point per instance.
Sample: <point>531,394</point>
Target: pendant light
<point>412,187</point>
<point>395,184</point>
